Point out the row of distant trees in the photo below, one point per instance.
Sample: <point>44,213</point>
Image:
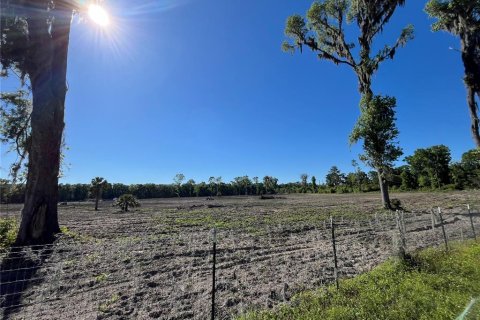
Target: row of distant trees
<point>427,169</point>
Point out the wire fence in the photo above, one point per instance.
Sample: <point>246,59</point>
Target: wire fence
<point>133,267</point>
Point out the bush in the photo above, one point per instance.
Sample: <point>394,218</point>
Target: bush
<point>126,201</point>
<point>8,231</point>
<point>396,204</point>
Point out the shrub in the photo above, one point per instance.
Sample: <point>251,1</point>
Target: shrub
<point>8,231</point>
<point>126,201</point>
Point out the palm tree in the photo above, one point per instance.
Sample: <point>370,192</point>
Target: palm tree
<point>127,200</point>
<point>96,188</point>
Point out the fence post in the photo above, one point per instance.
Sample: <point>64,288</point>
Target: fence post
<point>433,220</point>
<point>443,228</point>
<point>402,243</point>
<point>471,221</point>
<point>213,271</point>
<point>335,270</point>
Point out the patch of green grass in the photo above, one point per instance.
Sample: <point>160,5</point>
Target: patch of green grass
<point>101,277</point>
<point>8,231</point>
<point>474,312</point>
<point>434,285</point>
<point>105,307</point>
<point>75,235</point>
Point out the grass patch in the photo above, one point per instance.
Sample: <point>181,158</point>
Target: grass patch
<point>434,285</point>
<point>8,231</point>
<point>74,235</point>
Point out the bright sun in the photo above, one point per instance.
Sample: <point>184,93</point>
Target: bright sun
<point>98,15</point>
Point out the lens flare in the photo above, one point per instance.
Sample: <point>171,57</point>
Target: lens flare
<point>98,15</point>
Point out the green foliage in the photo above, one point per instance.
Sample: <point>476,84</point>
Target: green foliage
<point>376,127</point>
<point>324,32</point>
<point>126,201</point>
<point>15,130</point>
<point>177,181</point>
<point>334,177</point>
<point>431,166</point>
<point>8,231</point>
<point>437,285</point>
<point>14,39</point>
<point>314,184</point>
<point>409,181</point>
<point>97,185</point>
<point>270,184</point>
<point>455,16</point>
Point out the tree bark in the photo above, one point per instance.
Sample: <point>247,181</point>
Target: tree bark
<point>471,63</point>
<point>383,190</point>
<point>47,66</point>
<point>473,108</point>
<point>97,197</point>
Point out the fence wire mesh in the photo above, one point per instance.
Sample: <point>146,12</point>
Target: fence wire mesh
<point>138,266</point>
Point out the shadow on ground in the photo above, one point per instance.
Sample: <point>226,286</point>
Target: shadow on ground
<point>18,272</point>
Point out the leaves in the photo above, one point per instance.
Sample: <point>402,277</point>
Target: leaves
<point>126,201</point>
<point>376,128</point>
<point>15,130</point>
<point>455,16</point>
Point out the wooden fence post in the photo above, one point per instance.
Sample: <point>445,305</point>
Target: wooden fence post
<point>401,230</point>
<point>433,220</point>
<point>471,222</point>
<point>443,228</point>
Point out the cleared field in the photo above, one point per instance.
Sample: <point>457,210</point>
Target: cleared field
<point>155,262</point>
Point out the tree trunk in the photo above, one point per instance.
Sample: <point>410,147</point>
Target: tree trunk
<point>473,108</point>
<point>126,207</point>
<point>97,197</point>
<point>471,63</point>
<point>383,190</point>
<point>47,65</point>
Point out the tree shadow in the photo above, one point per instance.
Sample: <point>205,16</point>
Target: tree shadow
<point>18,272</point>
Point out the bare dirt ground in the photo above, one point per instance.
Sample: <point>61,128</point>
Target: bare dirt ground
<point>156,262</point>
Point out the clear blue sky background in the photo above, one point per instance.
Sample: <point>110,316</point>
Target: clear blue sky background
<point>202,88</point>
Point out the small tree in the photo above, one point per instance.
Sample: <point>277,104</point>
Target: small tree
<point>177,181</point>
<point>126,201</point>
<point>314,184</point>
<point>462,18</point>
<point>257,185</point>
<point>376,127</point>
<point>334,177</point>
<point>304,182</point>
<point>96,188</point>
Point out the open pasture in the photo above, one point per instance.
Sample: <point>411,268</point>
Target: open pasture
<point>156,262</point>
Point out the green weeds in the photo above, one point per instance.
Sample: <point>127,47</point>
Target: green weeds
<point>433,285</point>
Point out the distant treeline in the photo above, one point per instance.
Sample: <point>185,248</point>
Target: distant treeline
<point>427,169</point>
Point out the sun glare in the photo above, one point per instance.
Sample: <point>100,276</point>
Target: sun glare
<point>98,15</point>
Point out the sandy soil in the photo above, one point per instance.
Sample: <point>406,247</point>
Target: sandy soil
<point>156,262</point>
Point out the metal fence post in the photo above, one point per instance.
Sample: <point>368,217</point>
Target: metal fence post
<point>213,271</point>
<point>335,270</point>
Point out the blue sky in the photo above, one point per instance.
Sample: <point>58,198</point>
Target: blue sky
<point>202,88</point>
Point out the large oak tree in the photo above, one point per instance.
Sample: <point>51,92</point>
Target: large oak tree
<point>324,32</point>
<point>34,44</point>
